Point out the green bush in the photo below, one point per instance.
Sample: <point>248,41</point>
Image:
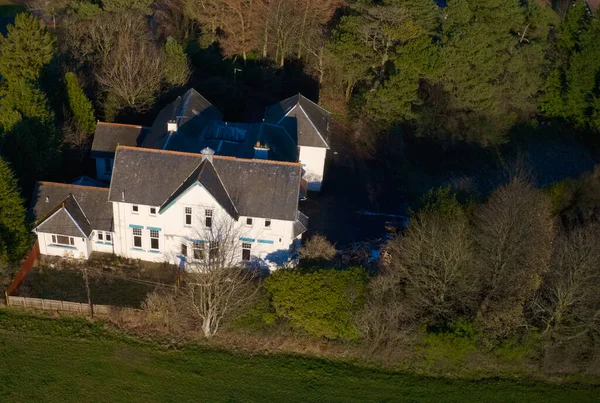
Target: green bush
<point>449,347</point>
<point>562,194</point>
<point>322,302</point>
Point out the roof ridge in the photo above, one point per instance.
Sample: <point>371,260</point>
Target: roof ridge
<point>222,157</point>
<point>313,102</point>
<point>72,185</point>
<point>119,124</point>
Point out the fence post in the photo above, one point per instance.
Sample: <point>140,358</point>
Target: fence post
<point>6,297</point>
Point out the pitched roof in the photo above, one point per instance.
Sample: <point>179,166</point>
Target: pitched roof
<point>305,121</point>
<point>191,111</point>
<point>108,135</point>
<point>257,188</point>
<point>87,207</point>
<point>207,176</point>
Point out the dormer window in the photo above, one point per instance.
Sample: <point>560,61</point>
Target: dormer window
<point>249,221</point>
<point>188,216</point>
<point>135,209</point>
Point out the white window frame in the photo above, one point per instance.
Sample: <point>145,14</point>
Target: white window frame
<point>104,236</point>
<point>151,213</point>
<point>246,246</point>
<point>208,217</point>
<point>249,221</point>
<point>184,249</point>
<point>198,246</point>
<point>135,209</point>
<point>188,211</point>
<point>137,233</point>
<point>268,226</point>
<point>71,240</point>
<point>154,234</point>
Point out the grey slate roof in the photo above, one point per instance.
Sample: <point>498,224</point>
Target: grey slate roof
<point>257,188</point>
<point>108,135</point>
<point>191,111</point>
<point>306,122</point>
<point>88,206</point>
<point>206,175</point>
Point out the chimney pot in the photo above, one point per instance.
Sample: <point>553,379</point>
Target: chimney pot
<point>207,154</point>
<point>47,199</point>
<point>172,126</point>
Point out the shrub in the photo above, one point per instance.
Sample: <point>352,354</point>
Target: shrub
<point>316,248</point>
<point>322,302</point>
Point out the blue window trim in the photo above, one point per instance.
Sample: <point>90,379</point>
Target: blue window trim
<point>138,249</point>
<point>248,239</point>
<point>154,251</point>
<point>103,243</point>
<point>154,229</point>
<point>266,241</point>
<point>52,245</point>
<point>194,240</point>
<point>136,226</point>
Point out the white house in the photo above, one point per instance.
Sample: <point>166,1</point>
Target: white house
<point>182,208</point>
<point>308,125</point>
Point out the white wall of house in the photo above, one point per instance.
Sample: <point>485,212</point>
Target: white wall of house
<point>104,168</point>
<point>313,162</point>
<point>266,242</point>
<point>102,244</point>
<point>79,250</point>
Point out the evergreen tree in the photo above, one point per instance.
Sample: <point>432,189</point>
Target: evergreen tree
<point>14,236</point>
<point>81,108</point>
<point>493,53</point>
<point>177,69</point>
<point>27,48</point>
<point>28,135</point>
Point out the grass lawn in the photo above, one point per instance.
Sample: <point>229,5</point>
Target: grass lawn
<point>72,360</point>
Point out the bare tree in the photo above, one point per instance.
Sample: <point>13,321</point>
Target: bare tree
<point>216,283</point>
<point>568,301</point>
<point>433,262</point>
<point>219,292</point>
<point>132,75</point>
<point>513,236</point>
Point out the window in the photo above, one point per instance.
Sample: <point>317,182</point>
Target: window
<point>184,249</point>
<point>63,240</point>
<point>246,251</point>
<point>137,237</point>
<point>104,237</point>
<point>152,210</point>
<point>213,251</point>
<point>135,209</point>
<point>107,165</point>
<point>267,223</point>
<point>198,249</point>
<point>153,239</point>
<point>208,214</point>
<point>188,216</point>
<point>249,221</point>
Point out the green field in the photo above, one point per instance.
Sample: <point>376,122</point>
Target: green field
<point>71,360</point>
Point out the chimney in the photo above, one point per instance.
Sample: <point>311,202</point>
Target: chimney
<point>207,154</point>
<point>171,126</point>
<point>261,151</point>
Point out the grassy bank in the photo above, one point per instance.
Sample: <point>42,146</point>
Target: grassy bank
<point>68,360</point>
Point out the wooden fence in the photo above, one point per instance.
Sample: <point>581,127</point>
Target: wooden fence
<point>55,305</point>
<point>24,270</point>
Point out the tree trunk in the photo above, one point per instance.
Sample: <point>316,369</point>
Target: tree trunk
<point>349,89</point>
